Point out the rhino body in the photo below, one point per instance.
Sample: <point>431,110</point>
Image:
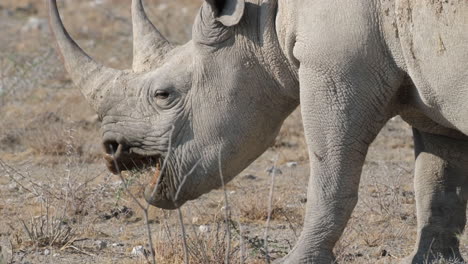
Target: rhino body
<point>213,105</point>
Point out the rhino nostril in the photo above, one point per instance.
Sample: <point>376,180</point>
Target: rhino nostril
<point>111,147</point>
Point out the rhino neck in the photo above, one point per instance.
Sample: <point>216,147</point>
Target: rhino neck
<point>275,60</point>
<point>260,27</point>
<point>285,31</point>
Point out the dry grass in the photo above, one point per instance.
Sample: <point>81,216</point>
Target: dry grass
<point>253,207</point>
<point>47,231</point>
<point>205,245</point>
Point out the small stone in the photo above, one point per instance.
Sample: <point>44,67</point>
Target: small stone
<point>35,24</point>
<point>6,12</point>
<point>204,229</point>
<point>113,60</point>
<point>232,192</point>
<point>117,244</point>
<point>46,252</point>
<point>100,245</point>
<point>250,177</point>
<point>31,195</point>
<point>13,187</point>
<point>223,209</point>
<point>162,7</point>
<point>274,170</point>
<point>139,251</point>
<point>55,255</point>
<point>291,164</point>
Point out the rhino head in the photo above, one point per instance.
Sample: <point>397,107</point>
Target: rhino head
<point>196,111</point>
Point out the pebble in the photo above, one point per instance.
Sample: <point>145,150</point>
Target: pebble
<point>117,244</point>
<point>291,164</point>
<point>97,2</point>
<point>204,229</point>
<point>275,170</point>
<point>100,245</point>
<point>13,187</point>
<point>250,177</point>
<point>46,252</point>
<point>35,24</point>
<point>139,251</point>
<point>6,12</point>
<point>223,209</point>
<point>162,7</point>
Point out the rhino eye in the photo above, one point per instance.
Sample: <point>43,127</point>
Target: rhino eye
<point>161,94</point>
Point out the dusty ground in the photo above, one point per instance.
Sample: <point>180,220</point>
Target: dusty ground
<point>58,204</point>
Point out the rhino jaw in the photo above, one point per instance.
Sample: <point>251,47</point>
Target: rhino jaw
<point>157,192</point>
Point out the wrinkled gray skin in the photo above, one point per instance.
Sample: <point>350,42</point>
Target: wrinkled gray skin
<point>351,64</point>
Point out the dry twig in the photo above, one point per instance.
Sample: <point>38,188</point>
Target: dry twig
<point>270,201</point>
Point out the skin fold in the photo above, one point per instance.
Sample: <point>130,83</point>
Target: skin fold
<point>221,98</point>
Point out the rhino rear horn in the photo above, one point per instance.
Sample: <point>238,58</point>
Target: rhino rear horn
<point>94,79</point>
<point>149,45</point>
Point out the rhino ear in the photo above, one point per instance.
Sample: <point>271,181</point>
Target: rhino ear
<point>212,25</point>
<point>228,12</point>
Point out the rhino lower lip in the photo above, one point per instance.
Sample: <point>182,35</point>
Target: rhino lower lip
<point>154,180</point>
<point>124,161</point>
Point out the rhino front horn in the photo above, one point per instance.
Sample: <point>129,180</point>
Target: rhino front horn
<point>149,45</point>
<point>94,80</point>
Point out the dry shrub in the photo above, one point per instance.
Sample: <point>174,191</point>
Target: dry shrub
<point>208,246</point>
<point>49,231</point>
<point>73,194</point>
<point>61,207</point>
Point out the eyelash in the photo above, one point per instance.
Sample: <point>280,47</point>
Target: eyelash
<point>161,94</point>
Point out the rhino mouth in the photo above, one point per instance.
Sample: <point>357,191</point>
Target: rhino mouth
<point>124,162</point>
<point>157,191</point>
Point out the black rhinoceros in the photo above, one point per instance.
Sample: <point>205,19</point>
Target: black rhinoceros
<point>352,65</point>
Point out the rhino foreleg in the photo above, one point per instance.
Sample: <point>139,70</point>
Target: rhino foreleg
<point>441,185</point>
<point>342,114</point>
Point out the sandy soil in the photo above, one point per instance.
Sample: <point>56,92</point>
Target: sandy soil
<point>58,204</point>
